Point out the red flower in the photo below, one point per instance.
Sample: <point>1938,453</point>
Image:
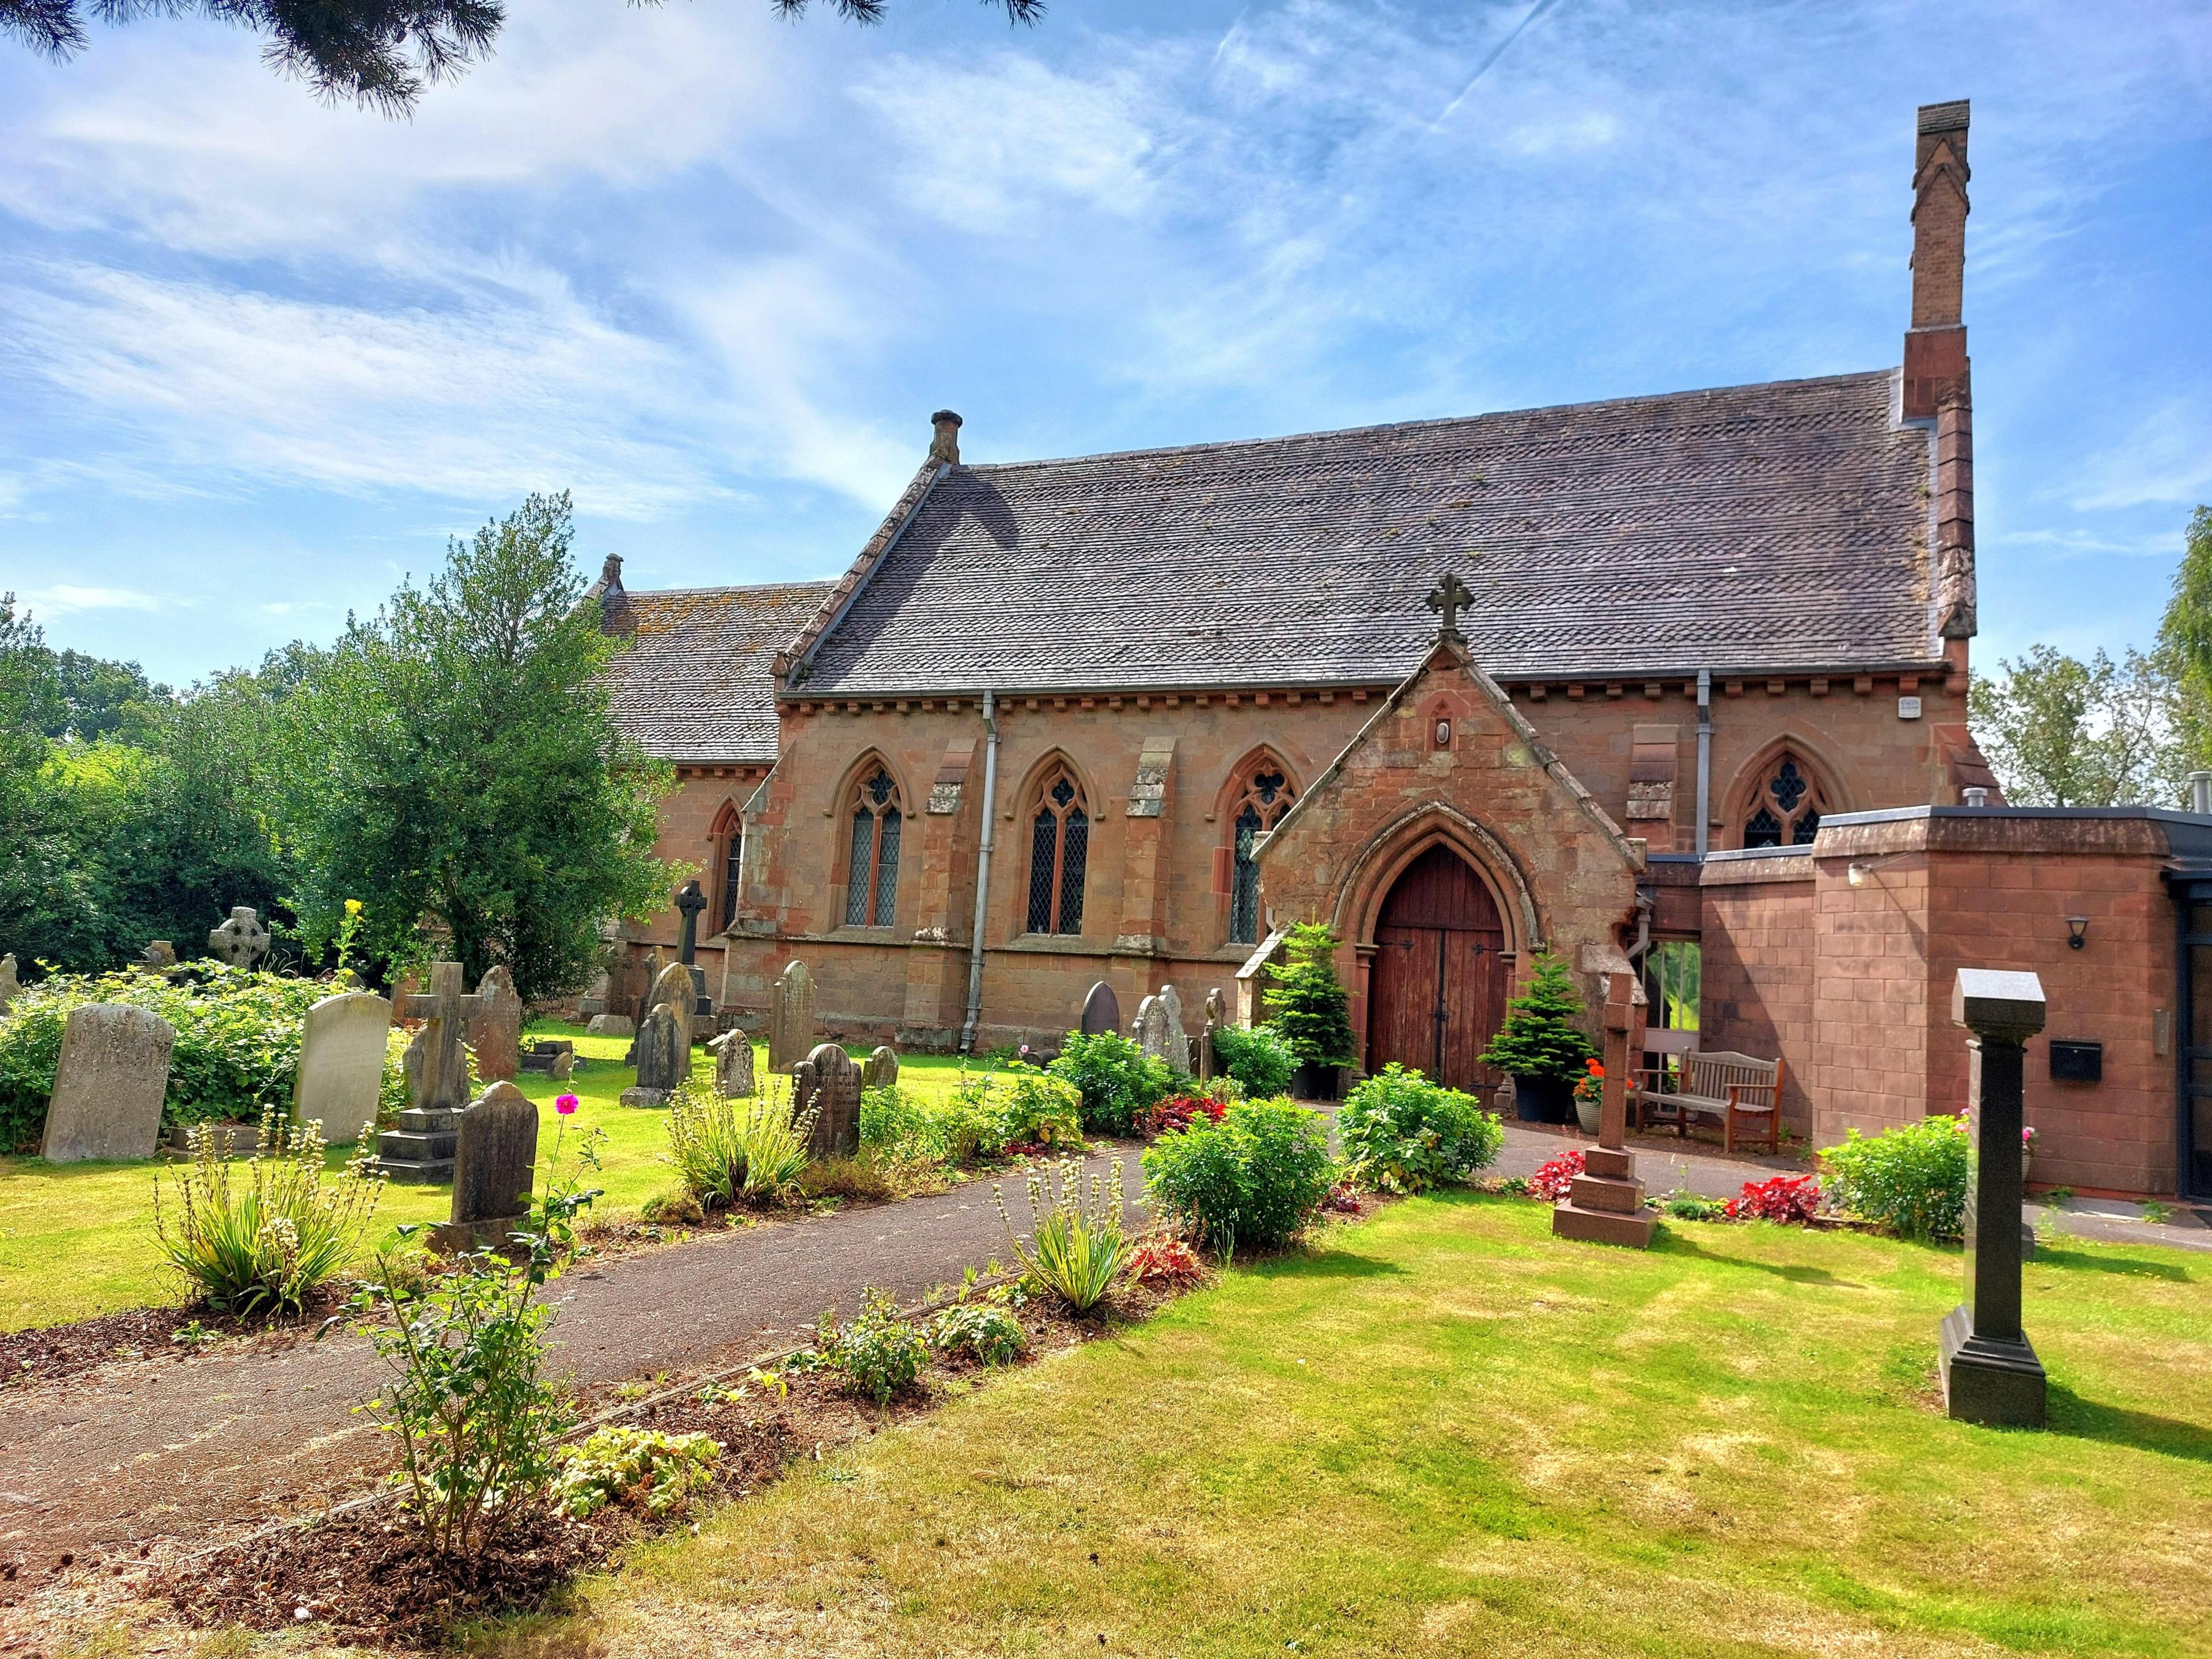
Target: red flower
<point>1790,1199</point>
<point>1551,1181</point>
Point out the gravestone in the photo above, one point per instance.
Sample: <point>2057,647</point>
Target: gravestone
<point>790,1017</point>
<point>495,1028</point>
<point>1215,1009</point>
<point>828,1083</point>
<point>108,1084</point>
<point>553,1057</point>
<point>733,1065</point>
<point>882,1069</point>
<point>494,1168</point>
<point>595,1000</point>
<point>1101,1010</point>
<point>664,1057</point>
<point>611,1025</point>
<point>690,902</point>
<point>241,941</point>
<point>1159,1028</point>
<point>419,1148</point>
<point>1990,1373</point>
<point>341,1044</point>
<point>10,985</point>
<point>159,956</point>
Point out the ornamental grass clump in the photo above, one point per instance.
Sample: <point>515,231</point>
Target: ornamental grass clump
<point>1911,1179</point>
<point>746,1151</point>
<point>261,1239</point>
<point>1078,1242</point>
<point>1403,1133</point>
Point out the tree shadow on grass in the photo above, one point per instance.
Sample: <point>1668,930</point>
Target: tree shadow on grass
<point>1673,1242</point>
<point>2058,1256</point>
<point>1328,1264</point>
<point>2069,1413</point>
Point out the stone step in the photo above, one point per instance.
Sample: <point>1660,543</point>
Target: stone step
<point>406,1146</point>
<point>428,1172</point>
<point>428,1119</point>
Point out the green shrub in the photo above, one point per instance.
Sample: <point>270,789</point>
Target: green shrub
<point>1541,1038</point>
<point>1257,1177</point>
<point>1035,1109</point>
<point>1078,1242</point>
<point>899,1126</point>
<point>1404,1134</point>
<point>1118,1080</point>
<point>879,1354</point>
<point>237,1048</point>
<point>264,1245</point>
<point>982,1330</point>
<point>620,1462</point>
<point>1259,1058</point>
<point>1311,1008</point>
<point>1911,1179</point>
<point>983,1116</point>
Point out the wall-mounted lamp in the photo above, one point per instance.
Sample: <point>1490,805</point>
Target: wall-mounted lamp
<point>2077,932</point>
<point>1856,875</point>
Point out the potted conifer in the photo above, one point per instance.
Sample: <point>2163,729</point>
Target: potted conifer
<point>1312,1009</point>
<point>1541,1045</point>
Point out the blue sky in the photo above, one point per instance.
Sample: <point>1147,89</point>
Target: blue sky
<point>711,273</point>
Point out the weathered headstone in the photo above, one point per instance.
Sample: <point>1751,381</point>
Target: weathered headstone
<point>733,1065</point>
<point>1215,1015</point>
<point>494,1168</point>
<point>108,1084</point>
<point>341,1045</point>
<point>10,985</point>
<point>664,1057</point>
<point>241,941</point>
<point>595,1000</point>
<point>1159,1030</point>
<point>1101,1010</point>
<point>555,1057</point>
<point>790,1017</point>
<point>419,1147</point>
<point>496,1028</point>
<point>611,1025</point>
<point>1990,1373</point>
<point>881,1070</point>
<point>828,1083</point>
<point>158,956</point>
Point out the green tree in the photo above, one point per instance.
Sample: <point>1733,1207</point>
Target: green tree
<point>2060,732</point>
<point>453,764</point>
<point>1311,1005</point>
<point>2187,627</point>
<point>1541,1037</point>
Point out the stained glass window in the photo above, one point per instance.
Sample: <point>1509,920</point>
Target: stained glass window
<point>1060,846</point>
<point>733,848</point>
<point>1786,811</point>
<point>872,882</point>
<point>1266,798</point>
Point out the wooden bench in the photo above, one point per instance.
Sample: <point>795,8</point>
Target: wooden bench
<point>1744,1093</point>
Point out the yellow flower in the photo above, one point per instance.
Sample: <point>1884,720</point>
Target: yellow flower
<point>353,907</point>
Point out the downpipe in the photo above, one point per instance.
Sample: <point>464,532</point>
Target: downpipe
<point>982,874</point>
<point>1704,757</point>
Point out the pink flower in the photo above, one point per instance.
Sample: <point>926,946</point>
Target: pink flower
<point>565,1105</point>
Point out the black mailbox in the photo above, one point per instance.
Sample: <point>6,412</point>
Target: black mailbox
<point>2077,1062</point>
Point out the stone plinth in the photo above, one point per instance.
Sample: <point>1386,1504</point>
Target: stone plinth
<point>1605,1205</point>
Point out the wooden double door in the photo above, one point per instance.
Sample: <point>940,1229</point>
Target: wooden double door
<point>1435,990</point>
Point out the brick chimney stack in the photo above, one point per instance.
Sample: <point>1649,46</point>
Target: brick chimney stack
<point>1935,345</point>
<point>945,447</point>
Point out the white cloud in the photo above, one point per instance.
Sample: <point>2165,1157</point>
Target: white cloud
<point>2167,459</point>
<point>63,597</point>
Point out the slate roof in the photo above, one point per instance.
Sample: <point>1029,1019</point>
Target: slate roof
<point>694,683</point>
<point>1750,529</point>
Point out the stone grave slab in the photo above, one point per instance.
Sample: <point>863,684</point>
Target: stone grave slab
<point>495,1028</point>
<point>611,1025</point>
<point>109,1083</point>
<point>494,1168</point>
<point>664,1057</point>
<point>828,1083</point>
<point>342,1062</point>
<point>790,1017</point>
<point>10,985</point>
<point>733,1065</point>
<point>882,1069</point>
<point>1101,1010</point>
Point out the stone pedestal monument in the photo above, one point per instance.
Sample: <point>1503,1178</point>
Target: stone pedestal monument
<point>418,1150</point>
<point>1606,1204</point>
<point>691,901</point>
<point>241,941</point>
<point>1990,1374</point>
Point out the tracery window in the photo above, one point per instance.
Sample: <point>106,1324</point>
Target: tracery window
<point>729,856</point>
<point>1060,843</point>
<point>1786,810</point>
<point>1265,796</point>
<point>872,874</point>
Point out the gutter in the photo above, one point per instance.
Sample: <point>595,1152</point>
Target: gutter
<point>983,874</point>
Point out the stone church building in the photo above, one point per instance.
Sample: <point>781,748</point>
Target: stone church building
<point>1590,680</point>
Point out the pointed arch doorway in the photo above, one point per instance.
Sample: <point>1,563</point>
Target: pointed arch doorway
<point>1436,990</point>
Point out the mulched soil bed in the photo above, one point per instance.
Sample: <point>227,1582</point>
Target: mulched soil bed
<point>52,1353</point>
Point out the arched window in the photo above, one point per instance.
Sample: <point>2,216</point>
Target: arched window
<point>1265,797</point>
<point>1060,843</point>
<point>1785,811</point>
<point>871,877</point>
<point>729,839</point>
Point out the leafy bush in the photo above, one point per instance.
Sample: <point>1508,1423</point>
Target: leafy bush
<point>1911,1179</point>
<point>1792,1199</point>
<point>1168,1261</point>
<point>237,1048</point>
<point>1551,1182</point>
<point>1404,1134</point>
<point>1118,1080</point>
<point>1259,1058</point>
<point>266,1245</point>
<point>622,1464</point>
<point>898,1125</point>
<point>984,1116</point>
<point>1258,1176</point>
<point>1312,1009</point>
<point>1077,1243</point>
<point>1691,1206</point>
<point>984,1331</point>
<point>1541,1038</point>
<point>1179,1112</point>
<point>879,1354</point>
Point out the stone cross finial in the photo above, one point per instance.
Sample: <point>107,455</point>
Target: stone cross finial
<point>690,901</point>
<point>437,1069</point>
<point>241,941</point>
<point>1450,595</point>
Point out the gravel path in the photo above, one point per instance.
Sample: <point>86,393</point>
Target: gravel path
<point>189,1450</point>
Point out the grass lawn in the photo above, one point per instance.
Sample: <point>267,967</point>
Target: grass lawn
<point>77,1240</point>
<point>1444,1432</point>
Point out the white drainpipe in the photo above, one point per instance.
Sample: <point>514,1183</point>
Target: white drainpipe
<point>983,874</point>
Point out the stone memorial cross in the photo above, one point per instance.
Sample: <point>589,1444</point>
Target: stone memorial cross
<point>1605,1205</point>
<point>241,941</point>
<point>1990,1373</point>
<point>690,901</point>
<point>1450,595</point>
<point>437,1060</point>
